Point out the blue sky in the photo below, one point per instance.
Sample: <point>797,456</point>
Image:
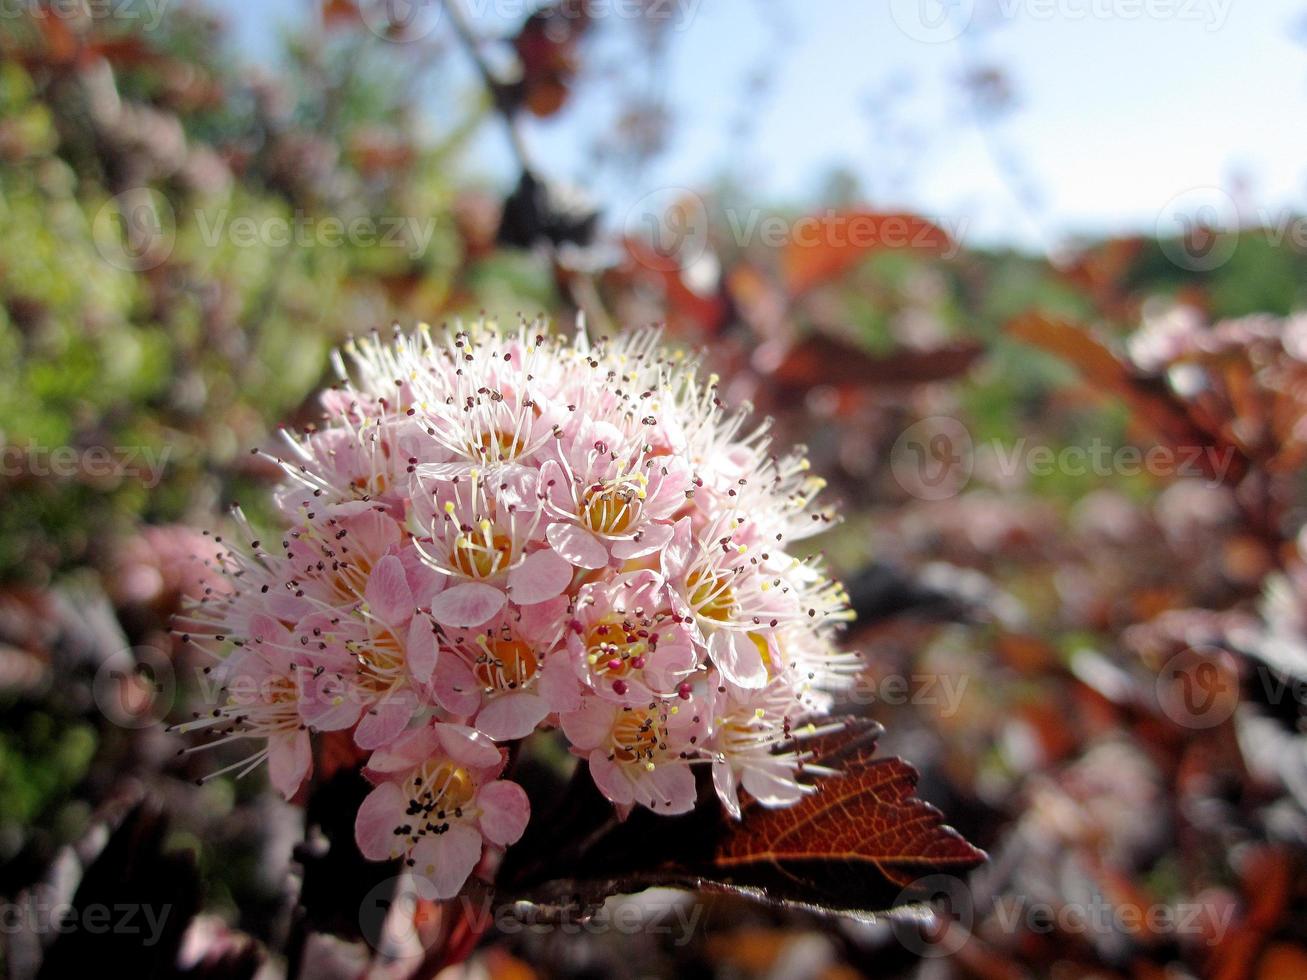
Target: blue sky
<point>1121,106</point>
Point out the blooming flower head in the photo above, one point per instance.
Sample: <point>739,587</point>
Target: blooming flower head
<point>494,532</point>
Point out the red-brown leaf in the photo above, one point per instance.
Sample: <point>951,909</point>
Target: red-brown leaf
<point>866,817</point>
<point>824,247</point>
<point>851,846</point>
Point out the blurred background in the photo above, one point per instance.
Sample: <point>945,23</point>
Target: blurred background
<point>1022,274</point>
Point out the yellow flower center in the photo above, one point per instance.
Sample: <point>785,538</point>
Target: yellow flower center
<point>614,648</point>
<point>497,446</point>
<point>610,510</point>
<point>441,786</point>
<point>481,555</point>
<point>711,595</point>
<point>505,665</point>
<point>636,736</point>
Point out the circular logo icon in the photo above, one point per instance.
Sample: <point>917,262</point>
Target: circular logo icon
<point>945,926</point>
<point>401,21</point>
<point>668,228</point>
<point>1199,687</point>
<point>933,458</point>
<point>932,21</point>
<point>135,687</point>
<point>1198,229</point>
<point>135,230</point>
<point>392,916</point>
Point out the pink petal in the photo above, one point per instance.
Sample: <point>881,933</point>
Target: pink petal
<point>423,580</point>
<point>653,537</point>
<point>409,750</point>
<point>677,553</point>
<point>373,533</point>
<point>609,777</point>
<point>577,545</point>
<point>674,660</point>
<point>557,487</point>
<point>290,757</point>
<point>420,648</point>
<point>518,487</point>
<point>737,658</point>
<point>385,719</point>
<point>590,726</point>
<point>541,622</point>
<point>263,629</point>
<point>455,686</point>
<point>723,780</point>
<point>770,788</point>
<point>330,702</point>
<point>442,862</point>
<point>374,827</point>
<point>558,684</point>
<point>468,746</point>
<point>469,604</point>
<point>505,810</point>
<point>511,716</point>
<point>540,576</point>
<point>387,593</point>
<point>671,789</point>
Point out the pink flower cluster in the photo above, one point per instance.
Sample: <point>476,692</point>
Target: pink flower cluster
<point>495,532</point>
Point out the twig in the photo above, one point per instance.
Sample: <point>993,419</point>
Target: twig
<point>494,85</point>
